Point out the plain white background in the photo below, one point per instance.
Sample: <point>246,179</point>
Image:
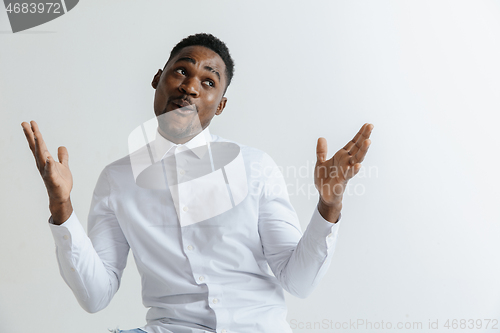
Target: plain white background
<point>419,238</point>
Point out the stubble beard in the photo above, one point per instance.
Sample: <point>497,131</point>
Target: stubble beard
<point>169,127</point>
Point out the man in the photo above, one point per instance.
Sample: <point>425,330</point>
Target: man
<point>204,268</point>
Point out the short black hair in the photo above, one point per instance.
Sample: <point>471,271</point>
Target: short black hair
<point>211,42</point>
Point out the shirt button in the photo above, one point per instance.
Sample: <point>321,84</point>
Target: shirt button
<point>190,248</point>
<point>201,278</point>
<point>185,209</point>
<point>329,235</point>
<point>223,331</point>
<point>65,237</point>
<point>72,269</point>
<point>215,301</point>
<point>182,172</point>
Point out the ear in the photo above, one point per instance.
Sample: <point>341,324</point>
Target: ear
<point>156,79</point>
<point>221,106</point>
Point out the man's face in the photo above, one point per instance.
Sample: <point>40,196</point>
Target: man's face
<point>189,92</point>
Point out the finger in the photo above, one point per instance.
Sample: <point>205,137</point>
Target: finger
<point>351,143</point>
<point>363,134</point>
<point>321,150</point>
<point>360,155</point>
<point>28,132</point>
<point>30,136</point>
<point>62,154</point>
<point>41,151</point>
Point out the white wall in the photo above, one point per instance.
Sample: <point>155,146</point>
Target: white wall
<point>418,242</point>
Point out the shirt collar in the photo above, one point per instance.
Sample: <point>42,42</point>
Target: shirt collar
<point>162,146</point>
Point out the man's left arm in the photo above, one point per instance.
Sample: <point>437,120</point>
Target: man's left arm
<point>300,261</point>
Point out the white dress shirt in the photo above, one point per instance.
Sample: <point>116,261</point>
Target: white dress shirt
<point>225,273</point>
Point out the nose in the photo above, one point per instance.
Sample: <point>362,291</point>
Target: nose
<point>190,86</point>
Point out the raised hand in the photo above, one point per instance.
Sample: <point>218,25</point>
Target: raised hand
<point>331,176</point>
<point>56,175</point>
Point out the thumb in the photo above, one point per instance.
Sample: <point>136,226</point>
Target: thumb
<point>62,154</point>
<point>321,150</point>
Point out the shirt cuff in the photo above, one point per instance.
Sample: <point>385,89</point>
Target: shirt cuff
<point>323,230</point>
<point>69,233</point>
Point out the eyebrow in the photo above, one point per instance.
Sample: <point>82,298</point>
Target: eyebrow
<point>191,60</point>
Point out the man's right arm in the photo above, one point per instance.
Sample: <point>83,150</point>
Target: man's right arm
<point>91,267</point>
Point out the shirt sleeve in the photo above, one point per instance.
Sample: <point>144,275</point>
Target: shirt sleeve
<point>299,261</point>
<point>92,265</point>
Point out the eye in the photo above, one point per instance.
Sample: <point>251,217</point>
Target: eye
<point>209,83</point>
<point>180,71</point>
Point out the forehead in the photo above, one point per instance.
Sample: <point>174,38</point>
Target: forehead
<point>202,55</point>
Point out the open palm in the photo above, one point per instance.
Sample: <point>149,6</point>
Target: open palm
<point>331,176</point>
<point>56,175</point>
